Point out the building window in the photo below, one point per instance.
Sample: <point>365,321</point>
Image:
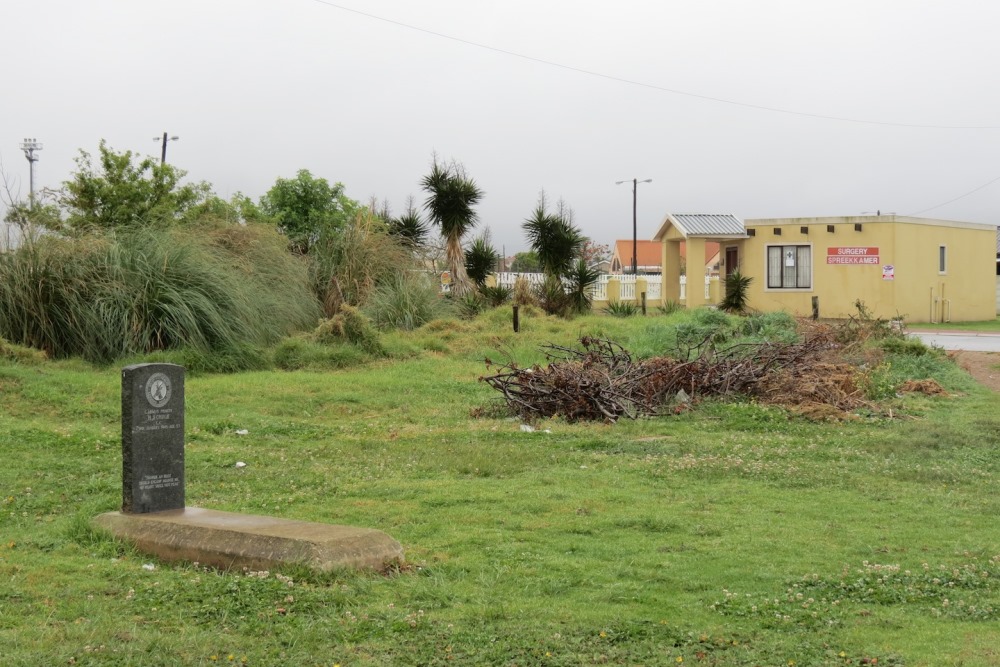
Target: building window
<point>789,267</point>
<point>942,259</point>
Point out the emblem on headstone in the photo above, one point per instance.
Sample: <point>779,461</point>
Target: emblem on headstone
<point>158,390</point>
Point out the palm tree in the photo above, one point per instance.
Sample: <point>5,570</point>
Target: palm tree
<point>409,227</point>
<point>481,259</point>
<point>554,238</point>
<point>451,196</point>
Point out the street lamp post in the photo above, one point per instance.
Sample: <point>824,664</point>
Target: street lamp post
<point>635,242</point>
<point>29,146</point>
<point>163,150</point>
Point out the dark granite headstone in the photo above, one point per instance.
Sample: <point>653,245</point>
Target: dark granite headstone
<point>152,438</point>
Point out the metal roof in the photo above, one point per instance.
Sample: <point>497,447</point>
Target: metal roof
<point>707,224</point>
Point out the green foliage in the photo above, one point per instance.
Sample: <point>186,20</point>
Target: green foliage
<point>41,215</point>
<point>497,295</point>
<point>349,325</point>
<point>451,200</point>
<point>623,308</point>
<point>122,192</point>
<point>106,296</point>
<point>877,382</point>
<point>776,326</point>
<point>737,288</point>
<point>293,354</point>
<point>410,228</point>
<point>913,347</point>
<point>235,358</point>
<point>551,296</point>
<point>581,278</point>
<point>308,209</point>
<point>20,354</point>
<point>554,238</point>
<point>471,304</point>
<point>526,262</point>
<point>480,260</point>
<point>350,262</point>
<point>669,307</point>
<point>407,300</point>
<point>589,544</point>
<point>865,326</point>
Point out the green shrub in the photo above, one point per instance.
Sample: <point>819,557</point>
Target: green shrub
<point>349,264</point>
<point>905,346</point>
<point>293,354</point>
<point>581,279</point>
<point>497,295</point>
<point>669,307</point>
<point>105,296</point>
<point>622,308</point>
<point>471,304</point>
<point>877,383</point>
<point>737,288</point>
<point>352,326</point>
<point>407,300</point>
<point>552,298</point>
<point>775,327</point>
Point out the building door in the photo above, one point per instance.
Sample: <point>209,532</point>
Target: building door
<point>732,265</point>
<point>732,260</point>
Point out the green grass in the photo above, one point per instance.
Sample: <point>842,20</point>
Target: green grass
<point>988,326</point>
<point>634,543</point>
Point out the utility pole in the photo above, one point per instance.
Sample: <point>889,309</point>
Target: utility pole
<point>29,146</point>
<point>635,242</point>
<point>163,149</point>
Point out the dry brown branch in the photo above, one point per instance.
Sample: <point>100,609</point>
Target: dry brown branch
<point>601,380</point>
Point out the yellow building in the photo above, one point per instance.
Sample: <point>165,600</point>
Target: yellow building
<point>920,269</point>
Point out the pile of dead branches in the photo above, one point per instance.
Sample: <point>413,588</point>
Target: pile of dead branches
<point>601,380</point>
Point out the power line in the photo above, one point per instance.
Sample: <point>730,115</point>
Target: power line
<point>970,192</point>
<point>650,86</point>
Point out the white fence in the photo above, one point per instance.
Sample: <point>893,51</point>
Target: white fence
<point>599,292</point>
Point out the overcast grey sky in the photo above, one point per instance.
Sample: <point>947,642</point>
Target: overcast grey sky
<point>568,96</point>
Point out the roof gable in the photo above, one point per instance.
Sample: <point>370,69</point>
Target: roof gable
<point>706,225</point>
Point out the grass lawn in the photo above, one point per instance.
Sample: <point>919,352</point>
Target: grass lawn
<point>729,535</point>
<point>987,326</point>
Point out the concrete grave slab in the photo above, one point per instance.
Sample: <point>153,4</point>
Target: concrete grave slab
<point>154,516</point>
<point>234,541</point>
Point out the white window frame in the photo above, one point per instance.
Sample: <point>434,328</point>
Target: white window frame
<point>797,258</point>
<point>942,259</point>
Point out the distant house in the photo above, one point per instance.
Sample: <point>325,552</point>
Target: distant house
<point>650,257</point>
<point>925,270</point>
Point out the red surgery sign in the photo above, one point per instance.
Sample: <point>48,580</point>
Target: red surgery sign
<point>852,255</point>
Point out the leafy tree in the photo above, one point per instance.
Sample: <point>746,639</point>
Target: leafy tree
<point>451,198</point>
<point>595,253</point>
<point>480,259</point>
<point>409,227</point>
<point>121,191</point>
<point>553,237</point>
<point>306,207</point>
<point>526,262</point>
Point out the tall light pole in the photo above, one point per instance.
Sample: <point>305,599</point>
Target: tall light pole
<point>163,150</point>
<point>635,243</point>
<point>29,146</point>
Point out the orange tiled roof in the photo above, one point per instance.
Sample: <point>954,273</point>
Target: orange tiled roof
<point>648,252</point>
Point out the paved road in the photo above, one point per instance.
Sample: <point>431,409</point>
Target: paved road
<point>972,342</point>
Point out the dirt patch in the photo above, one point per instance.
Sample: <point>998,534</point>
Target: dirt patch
<point>983,366</point>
